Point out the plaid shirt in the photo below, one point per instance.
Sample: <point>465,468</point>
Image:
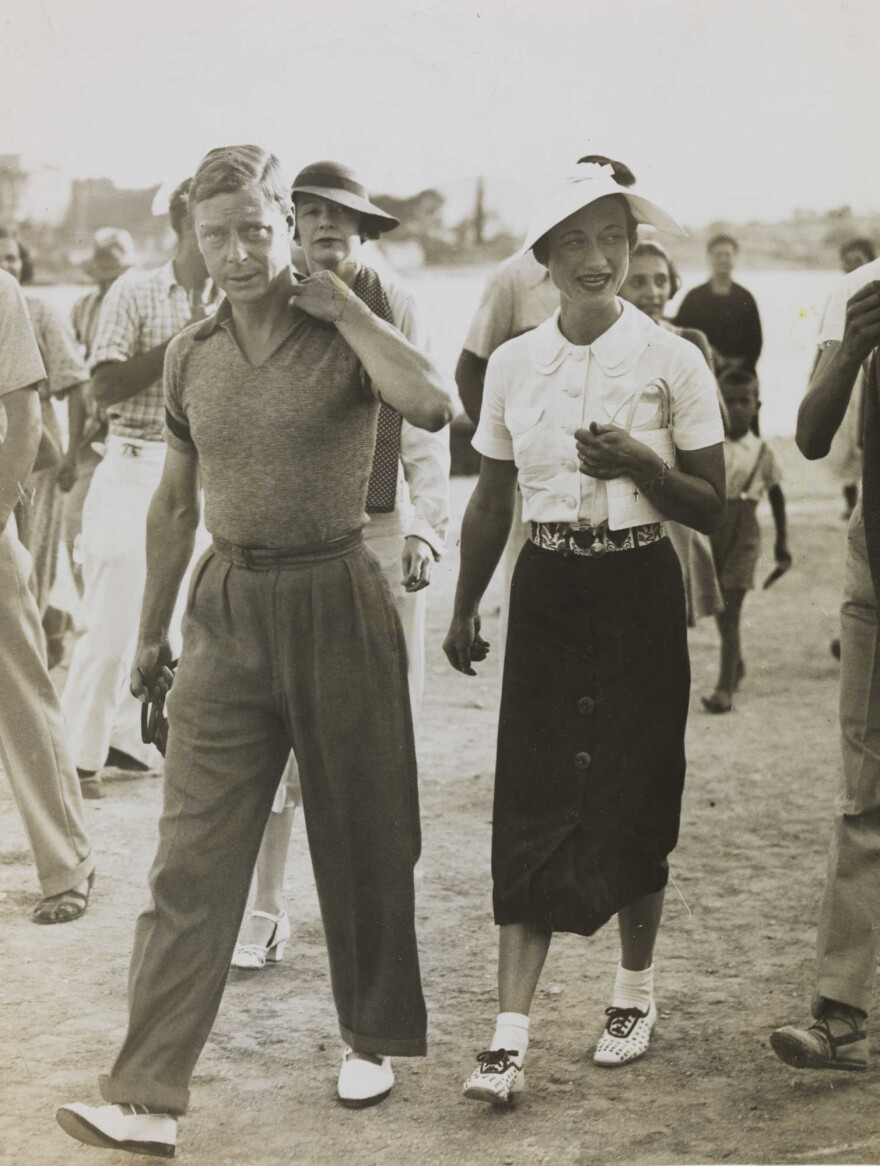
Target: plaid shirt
<point>140,311</point>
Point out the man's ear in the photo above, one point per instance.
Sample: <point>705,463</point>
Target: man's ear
<point>291,222</point>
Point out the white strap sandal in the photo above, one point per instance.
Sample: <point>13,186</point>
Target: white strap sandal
<point>252,957</point>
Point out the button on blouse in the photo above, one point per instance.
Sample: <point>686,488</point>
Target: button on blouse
<point>540,388</point>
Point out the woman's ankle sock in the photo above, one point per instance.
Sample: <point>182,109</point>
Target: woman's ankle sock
<point>512,1033</point>
<point>633,989</point>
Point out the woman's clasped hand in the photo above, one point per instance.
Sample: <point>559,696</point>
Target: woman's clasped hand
<point>607,451</point>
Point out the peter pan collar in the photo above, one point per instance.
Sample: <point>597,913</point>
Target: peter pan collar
<point>617,351</point>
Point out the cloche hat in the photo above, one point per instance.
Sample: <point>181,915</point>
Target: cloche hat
<point>586,183</point>
<point>340,184</point>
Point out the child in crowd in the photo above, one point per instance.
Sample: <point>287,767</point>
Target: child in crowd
<point>752,471</point>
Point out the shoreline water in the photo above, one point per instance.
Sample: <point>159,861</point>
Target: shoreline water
<point>790,302</point>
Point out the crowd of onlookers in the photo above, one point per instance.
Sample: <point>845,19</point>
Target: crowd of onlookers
<point>293,401</point>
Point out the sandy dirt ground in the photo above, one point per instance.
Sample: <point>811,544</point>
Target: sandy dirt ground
<point>734,957</point>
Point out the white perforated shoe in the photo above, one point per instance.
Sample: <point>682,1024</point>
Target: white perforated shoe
<point>626,1035</point>
<point>496,1078</point>
<point>120,1127</point>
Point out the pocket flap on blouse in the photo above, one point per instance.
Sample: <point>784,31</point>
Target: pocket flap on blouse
<point>520,421</point>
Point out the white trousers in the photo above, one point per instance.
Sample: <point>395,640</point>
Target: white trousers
<point>99,709</point>
<point>33,744</point>
<point>384,536</point>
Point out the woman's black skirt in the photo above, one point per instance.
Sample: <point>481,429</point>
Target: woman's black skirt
<point>591,762</point>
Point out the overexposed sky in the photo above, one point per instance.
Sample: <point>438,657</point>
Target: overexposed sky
<point>725,109</point>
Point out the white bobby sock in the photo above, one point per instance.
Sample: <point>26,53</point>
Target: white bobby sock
<point>633,989</point>
<point>512,1033</point>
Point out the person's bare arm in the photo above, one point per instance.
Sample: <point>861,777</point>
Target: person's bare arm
<point>19,448</point>
<point>171,532</point>
<point>692,493</point>
<point>470,373</point>
<point>76,420</point>
<point>117,380</point>
<point>777,506</point>
<point>484,531</point>
<point>403,376</point>
<point>822,409</point>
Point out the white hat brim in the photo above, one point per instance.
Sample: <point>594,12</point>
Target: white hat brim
<point>575,194</point>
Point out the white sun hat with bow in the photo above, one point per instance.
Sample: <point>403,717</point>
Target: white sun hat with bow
<point>586,183</point>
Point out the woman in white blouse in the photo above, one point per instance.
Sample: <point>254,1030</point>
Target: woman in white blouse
<point>610,425</point>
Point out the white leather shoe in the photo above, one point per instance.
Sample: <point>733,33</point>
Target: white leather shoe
<point>119,1127</point>
<point>362,1083</point>
<point>626,1035</point>
<point>497,1077</point>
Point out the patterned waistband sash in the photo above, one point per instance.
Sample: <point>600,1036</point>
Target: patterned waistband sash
<point>593,542</point>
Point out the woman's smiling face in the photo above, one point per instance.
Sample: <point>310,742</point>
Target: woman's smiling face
<point>647,286</point>
<point>588,253</point>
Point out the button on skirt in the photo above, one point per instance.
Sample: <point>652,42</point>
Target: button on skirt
<point>591,762</point>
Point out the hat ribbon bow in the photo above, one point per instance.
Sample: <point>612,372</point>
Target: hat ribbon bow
<point>590,171</point>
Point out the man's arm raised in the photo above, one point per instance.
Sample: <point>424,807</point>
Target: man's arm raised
<point>822,409</point>
<point>171,533</point>
<point>402,375</point>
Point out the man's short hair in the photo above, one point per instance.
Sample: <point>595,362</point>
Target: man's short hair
<point>178,206</point>
<point>862,245</point>
<point>717,240</point>
<point>738,378</point>
<point>229,169</point>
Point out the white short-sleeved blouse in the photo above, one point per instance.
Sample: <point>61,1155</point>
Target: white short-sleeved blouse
<point>540,388</point>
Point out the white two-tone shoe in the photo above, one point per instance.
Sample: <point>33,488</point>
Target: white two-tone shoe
<point>120,1127</point>
<point>363,1082</point>
<point>626,1036</point>
<point>497,1077</point>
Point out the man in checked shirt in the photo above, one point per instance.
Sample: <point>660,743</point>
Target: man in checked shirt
<point>141,313</point>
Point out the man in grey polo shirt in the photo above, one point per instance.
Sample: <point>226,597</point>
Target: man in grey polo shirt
<point>291,640</point>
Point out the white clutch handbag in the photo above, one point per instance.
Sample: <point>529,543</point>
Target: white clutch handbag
<point>627,505</point>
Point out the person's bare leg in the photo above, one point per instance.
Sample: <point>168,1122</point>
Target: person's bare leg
<point>728,622</point>
<point>271,862</point>
<point>522,950</point>
<point>638,924</point>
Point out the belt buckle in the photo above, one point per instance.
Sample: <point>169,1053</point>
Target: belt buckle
<point>596,546</point>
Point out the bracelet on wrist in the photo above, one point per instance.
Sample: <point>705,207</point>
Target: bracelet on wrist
<point>659,479</point>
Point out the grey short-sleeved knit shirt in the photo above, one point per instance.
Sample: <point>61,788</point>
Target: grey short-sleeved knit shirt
<point>284,449</point>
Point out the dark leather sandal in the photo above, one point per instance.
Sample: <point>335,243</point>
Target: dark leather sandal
<point>817,1047</point>
<point>63,908</point>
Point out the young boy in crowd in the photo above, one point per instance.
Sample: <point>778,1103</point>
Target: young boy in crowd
<point>752,471</point>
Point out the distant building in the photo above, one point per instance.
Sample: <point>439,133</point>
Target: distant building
<point>96,202</point>
<point>32,192</point>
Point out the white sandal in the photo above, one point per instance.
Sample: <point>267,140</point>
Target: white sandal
<point>254,956</point>
<point>626,1036</point>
